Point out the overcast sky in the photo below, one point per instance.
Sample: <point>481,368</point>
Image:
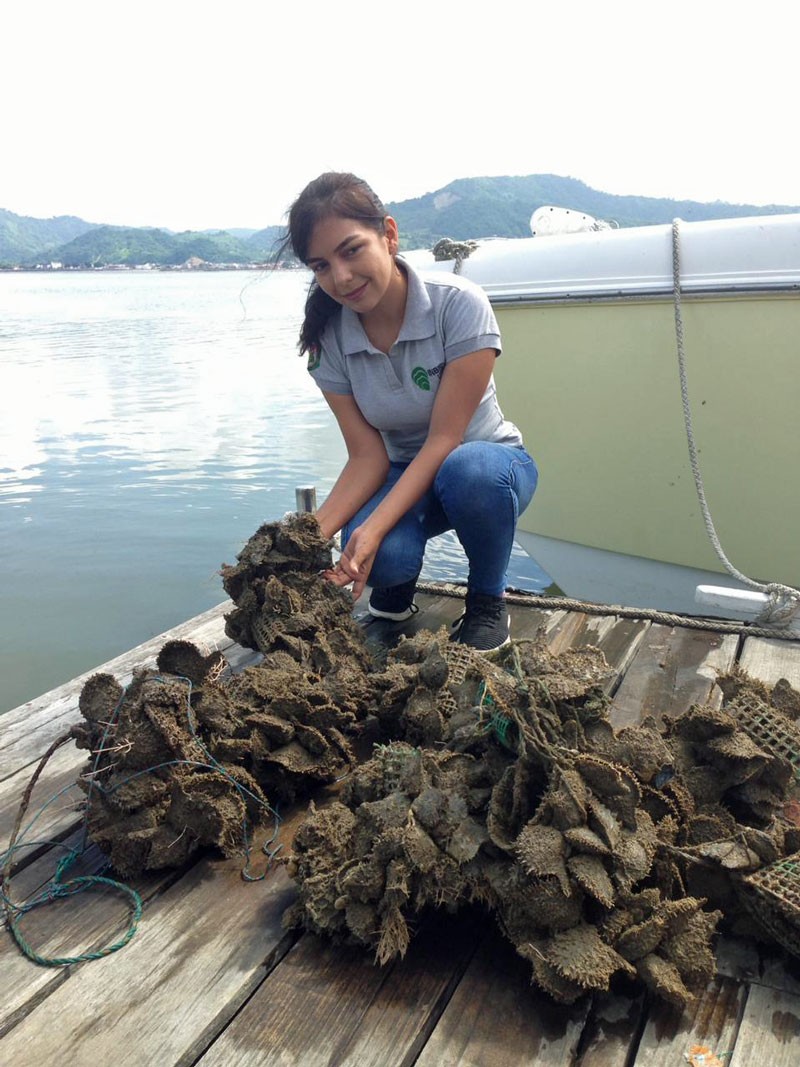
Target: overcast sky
<point>192,116</point>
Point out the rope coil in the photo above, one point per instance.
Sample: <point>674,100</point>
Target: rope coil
<point>56,888</point>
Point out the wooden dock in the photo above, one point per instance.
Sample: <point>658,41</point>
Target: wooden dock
<point>211,978</point>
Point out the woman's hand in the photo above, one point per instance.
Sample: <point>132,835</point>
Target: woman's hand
<point>356,561</point>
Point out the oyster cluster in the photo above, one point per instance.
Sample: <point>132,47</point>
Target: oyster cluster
<point>498,796</point>
<point>189,755</point>
<point>497,781</point>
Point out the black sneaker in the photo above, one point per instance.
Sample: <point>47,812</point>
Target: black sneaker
<point>484,624</point>
<point>396,602</point>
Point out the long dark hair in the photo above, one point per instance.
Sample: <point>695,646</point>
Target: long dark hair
<point>344,196</point>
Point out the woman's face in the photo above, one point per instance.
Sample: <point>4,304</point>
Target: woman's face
<point>354,263</point>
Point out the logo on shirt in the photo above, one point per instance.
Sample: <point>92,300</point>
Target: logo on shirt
<point>419,376</point>
<point>314,357</point>
<point>422,378</point>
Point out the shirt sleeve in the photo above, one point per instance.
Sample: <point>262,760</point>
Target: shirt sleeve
<point>328,367</point>
<point>469,323</point>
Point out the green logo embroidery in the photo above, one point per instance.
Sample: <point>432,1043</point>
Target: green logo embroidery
<point>419,376</point>
<point>314,358</point>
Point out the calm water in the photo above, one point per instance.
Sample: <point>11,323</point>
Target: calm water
<point>149,423</point>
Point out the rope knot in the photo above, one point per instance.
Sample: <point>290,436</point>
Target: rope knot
<point>783,604</point>
<point>447,248</point>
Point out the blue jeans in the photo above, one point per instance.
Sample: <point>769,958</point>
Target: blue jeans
<point>479,491</point>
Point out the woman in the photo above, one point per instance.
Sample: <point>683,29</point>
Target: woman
<point>405,362</point>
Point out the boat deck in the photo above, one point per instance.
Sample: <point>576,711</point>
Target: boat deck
<point>212,978</point>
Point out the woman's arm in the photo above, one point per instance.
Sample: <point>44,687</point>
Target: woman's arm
<point>363,474</point>
<point>460,391</point>
<point>462,386</point>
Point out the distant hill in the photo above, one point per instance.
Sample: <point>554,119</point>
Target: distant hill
<point>502,207</point>
<point>23,238</point>
<point>466,208</point>
<point>72,242</point>
<point>266,241</point>
<point>243,235</point>
<point>132,246</point>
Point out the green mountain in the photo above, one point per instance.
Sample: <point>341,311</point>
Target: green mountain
<point>27,242</point>
<point>466,208</point>
<point>265,242</point>
<point>502,207</point>
<point>131,246</point>
<point>234,231</point>
<point>23,238</point>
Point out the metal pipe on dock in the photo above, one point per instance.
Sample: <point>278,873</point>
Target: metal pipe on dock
<point>306,498</point>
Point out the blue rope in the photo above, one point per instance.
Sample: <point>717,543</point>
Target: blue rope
<point>498,723</point>
<point>39,813</point>
<point>56,888</point>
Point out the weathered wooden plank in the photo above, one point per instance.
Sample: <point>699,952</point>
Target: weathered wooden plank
<point>27,731</point>
<point>526,622</point>
<point>571,628</point>
<point>54,804</point>
<point>34,875</point>
<point>238,658</point>
<point>771,660</point>
<point>673,668</point>
<point>611,1031</point>
<point>617,638</point>
<point>712,1020</point>
<point>69,927</point>
<point>770,1030</point>
<point>411,1001</point>
<point>745,960</point>
<point>336,986</point>
<point>362,1014</point>
<point>495,1018</point>
<point>201,949</point>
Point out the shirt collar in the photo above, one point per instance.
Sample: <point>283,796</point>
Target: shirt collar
<point>419,320</point>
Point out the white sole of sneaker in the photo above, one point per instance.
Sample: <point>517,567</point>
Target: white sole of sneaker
<point>393,616</point>
<point>495,649</point>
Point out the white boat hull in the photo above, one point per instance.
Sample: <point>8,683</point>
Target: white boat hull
<point>603,577</point>
<point>590,375</point>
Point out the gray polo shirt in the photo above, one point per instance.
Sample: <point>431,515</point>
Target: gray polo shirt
<point>446,317</point>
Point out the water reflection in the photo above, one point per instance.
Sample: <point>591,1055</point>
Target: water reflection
<point>148,424</point>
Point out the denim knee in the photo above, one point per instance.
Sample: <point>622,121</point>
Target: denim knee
<point>483,487</point>
<point>399,557</point>
<point>480,475</point>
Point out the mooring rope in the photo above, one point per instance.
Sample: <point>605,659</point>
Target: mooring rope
<point>563,603</point>
<point>784,600</point>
